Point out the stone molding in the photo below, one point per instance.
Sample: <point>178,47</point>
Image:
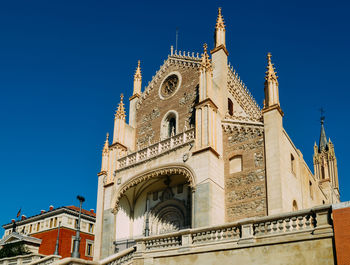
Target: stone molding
<point>168,169</point>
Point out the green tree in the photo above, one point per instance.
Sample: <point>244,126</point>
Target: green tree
<point>13,249</point>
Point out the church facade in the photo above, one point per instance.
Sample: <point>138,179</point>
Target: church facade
<point>198,151</point>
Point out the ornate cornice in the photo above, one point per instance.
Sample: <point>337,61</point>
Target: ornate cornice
<point>242,95</point>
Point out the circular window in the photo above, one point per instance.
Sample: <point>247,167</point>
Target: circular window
<point>169,85</point>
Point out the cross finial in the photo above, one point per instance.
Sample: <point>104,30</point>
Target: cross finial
<point>322,118</point>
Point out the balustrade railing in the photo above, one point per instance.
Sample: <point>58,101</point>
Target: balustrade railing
<point>156,149</point>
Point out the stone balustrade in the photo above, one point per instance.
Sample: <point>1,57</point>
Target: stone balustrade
<point>22,259</point>
<point>309,224</point>
<point>157,149</point>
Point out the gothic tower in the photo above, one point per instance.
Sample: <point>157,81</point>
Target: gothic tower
<point>325,166</point>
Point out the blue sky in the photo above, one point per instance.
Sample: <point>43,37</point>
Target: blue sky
<point>63,65</point>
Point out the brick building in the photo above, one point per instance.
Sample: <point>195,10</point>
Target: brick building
<point>41,231</point>
<point>198,151</point>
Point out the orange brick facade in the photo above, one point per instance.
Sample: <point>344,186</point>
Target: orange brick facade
<point>49,237</point>
<point>341,222</point>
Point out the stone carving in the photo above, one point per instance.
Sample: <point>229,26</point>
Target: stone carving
<point>166,170</point>
<point>256,176</point>
<point>169,85</point>
<point>247,193</point>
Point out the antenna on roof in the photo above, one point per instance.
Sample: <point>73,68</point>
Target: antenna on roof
<point>177,36</point>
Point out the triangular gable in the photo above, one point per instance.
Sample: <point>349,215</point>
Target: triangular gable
<point>183,59</point>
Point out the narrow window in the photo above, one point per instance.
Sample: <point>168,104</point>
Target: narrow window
<point>310,190</point>
<point>295,206</point>
<point>51,222</point>
<point>76,223</point>
<point>30,228</point>
<point>292,163</point>
<point>89,248</point>
<point>55,222</point>
<point>38,226</point>
<point>322,173</point>
<point>236,164</point>
<point>91,228</point>
<point>230,107</point>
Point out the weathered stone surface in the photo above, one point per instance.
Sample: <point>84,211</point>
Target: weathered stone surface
<point>153,108</point>
<point>245,191</point>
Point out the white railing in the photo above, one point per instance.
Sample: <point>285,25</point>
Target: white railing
<point>156,149</point>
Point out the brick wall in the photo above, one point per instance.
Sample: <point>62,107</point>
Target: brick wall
<point>341,222</point>
<point>49,237</point>
<point>245,191</point>
<point>153,109</point>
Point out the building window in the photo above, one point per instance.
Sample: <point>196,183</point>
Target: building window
<point>236,164</point>
<point>91,228</point>
<point>76,223</point>
<point>38,226</point>
<point>30,228</point>
<point>51,222</point>
<point>55,222</point>
<point>72,244</point>
<point>89,248</point>
<point>310,190</point>
<point>230,107</point>
<point>292,163</point>
<point>295,206</point>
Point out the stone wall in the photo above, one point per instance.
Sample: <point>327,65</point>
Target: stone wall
<point>245,191</point>
<point>152,109</point>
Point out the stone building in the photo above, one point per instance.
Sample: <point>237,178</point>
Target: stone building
<point>198,151</point>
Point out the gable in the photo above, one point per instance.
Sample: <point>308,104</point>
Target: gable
<point>154,105</point>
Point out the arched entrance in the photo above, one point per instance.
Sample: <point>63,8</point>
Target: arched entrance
<point>156,202</point>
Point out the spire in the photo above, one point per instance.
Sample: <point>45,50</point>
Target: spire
<point>206,62</point>
<point>323,139</point>
<point>137,79</point>
<point>138,71</point>
<point>270,73</point>
<point>220,30</point>
<point>220,24</point>
<point>106,146</point>
<point>271,86</point>
<point>120,114</point>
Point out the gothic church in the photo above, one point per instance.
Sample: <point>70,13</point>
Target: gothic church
<point>198,151</point>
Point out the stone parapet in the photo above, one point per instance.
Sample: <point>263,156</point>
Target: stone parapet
<point>156,150</point>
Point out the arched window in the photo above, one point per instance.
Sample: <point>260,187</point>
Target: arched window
<point>230,107</point>
<point>295,206</point>
<point>236,164</point>
<point>169,125</point>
